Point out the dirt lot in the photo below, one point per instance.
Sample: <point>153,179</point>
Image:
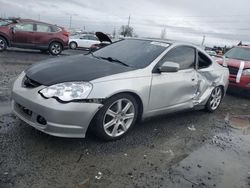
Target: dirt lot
<point>189,149</point>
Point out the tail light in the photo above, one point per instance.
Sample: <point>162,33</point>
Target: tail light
<point>66,33</point>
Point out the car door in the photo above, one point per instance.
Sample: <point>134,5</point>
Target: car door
<point>83,41</point>
<point>175,90</point>
<point>93,40</point>
<point>42,35</point>
<point>22,34</point>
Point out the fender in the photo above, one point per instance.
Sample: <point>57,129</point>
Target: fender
<point>6,37</point>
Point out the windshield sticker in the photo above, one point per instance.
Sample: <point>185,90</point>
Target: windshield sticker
<point>160,44</point>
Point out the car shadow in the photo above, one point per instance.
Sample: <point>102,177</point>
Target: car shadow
<point>239,93</point>
<point>143,134</point>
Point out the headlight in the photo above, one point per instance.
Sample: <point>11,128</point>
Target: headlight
<point>246,72</point>
<point>67,91</point>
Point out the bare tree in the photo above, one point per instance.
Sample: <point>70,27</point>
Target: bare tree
<point>126,31</point>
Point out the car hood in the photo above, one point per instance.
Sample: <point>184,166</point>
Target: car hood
<point>73,68</point>
<point>102,37</point>
<point>235,63</point>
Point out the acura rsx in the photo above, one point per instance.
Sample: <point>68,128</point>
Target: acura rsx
<point>111,89</point>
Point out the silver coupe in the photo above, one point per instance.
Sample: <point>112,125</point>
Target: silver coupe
<point>111,89</point>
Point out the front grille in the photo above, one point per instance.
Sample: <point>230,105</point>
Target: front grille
<point>233,70</point>
<point>30,83</point>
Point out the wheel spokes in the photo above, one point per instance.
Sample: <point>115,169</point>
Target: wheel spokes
<point>127,107</point>
<point>119,117</point>
<point>111,113</point>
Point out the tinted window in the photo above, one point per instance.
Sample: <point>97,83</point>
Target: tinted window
<point>135,53</point>
<point>239,53</point>
<point>92,38</point>
<point>184,56</point>
<point>24,27</point>
<point>5,22</point>
<point>42,28</point>
<point>54,29</point>
<point>84,37</point>
<point>204,61</point>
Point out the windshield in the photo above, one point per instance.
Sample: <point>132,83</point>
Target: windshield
<point>132,52</point>
<point>239,53</point>
<point>5,22</point>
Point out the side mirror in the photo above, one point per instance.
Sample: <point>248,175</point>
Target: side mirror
<point>13,30</point>
<point>169,67</point>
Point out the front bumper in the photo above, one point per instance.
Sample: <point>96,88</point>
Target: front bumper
<point>63,120</point>
<point>243,84</point>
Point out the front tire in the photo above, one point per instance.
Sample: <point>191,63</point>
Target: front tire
<point>215,99</point>
<point>73,45</point>
<point>3,44</point>
<point>116,118</point>
<point>55,48</point>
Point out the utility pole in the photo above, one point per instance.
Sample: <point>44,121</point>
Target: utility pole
<point>70,21</point>
<point>203,40</point>
<point>128,20</point>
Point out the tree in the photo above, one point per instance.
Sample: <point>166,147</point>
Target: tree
<point>126,31</point>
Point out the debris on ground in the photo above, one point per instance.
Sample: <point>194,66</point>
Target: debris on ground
<point>192,128</point>
<point>167,152</point>
<point>99,176</point>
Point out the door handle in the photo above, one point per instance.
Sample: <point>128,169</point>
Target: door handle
<point>193,79</point>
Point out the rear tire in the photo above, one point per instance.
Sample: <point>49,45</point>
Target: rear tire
<point>116,118</point>
<point>55,48</point>
<point>3,44</point>
<point>73,45</point>
<point>215,99</point>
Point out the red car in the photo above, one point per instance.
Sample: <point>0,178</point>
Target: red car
<point>31,34</point>
<point>238,61</point>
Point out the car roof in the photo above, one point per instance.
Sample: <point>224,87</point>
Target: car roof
<point>244,46</point>
<point>168,41</point>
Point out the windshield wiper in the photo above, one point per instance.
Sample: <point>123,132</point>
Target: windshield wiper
<point>110,59</point>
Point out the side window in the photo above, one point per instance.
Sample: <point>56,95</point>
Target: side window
<point>183,55</point>
<point>43,28</point>
<point>84,37</point>
<point>92,38</point>
<point>204,61</point>
<point>54,29</point>
<point>24,27</point>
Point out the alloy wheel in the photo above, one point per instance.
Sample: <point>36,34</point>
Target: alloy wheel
<point>216,97</point>
<point>119,117</point>
<point>73,45</point>
<point>56,48</point>
<point>2,44</point>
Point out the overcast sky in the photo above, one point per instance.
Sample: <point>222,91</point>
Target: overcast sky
<point>221,21</point>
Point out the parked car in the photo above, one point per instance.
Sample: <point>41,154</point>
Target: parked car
<point>211,53</point>
<point>110,89</point>
<point>83,41</point>
<point>104,41</point>
<point>238,62</point>
<point>31,34</point>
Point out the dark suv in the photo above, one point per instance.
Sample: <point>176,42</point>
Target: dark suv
<point>31,34</point>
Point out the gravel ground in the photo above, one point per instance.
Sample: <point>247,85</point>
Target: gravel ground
<point>188,149</point>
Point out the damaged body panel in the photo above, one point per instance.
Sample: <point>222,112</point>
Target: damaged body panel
<point>115,86</point>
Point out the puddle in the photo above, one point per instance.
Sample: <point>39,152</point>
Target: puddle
<point>5,108</point>
<point>224,162</point>
<point>241,122</point>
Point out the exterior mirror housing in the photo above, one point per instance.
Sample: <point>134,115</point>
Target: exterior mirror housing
<point>169,67</point>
